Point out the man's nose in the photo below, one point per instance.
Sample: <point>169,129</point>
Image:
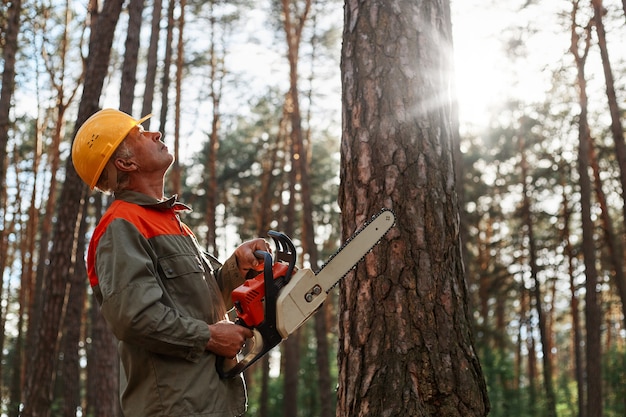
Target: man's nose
<point>156,136</point>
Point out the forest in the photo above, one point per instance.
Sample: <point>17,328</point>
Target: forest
<point>266,106</point>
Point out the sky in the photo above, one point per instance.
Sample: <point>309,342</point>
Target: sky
<point>485,75</point>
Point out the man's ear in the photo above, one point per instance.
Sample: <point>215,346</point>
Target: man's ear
<point>126,165</point>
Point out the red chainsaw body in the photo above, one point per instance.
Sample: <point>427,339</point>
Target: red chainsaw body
<point>249,297</point>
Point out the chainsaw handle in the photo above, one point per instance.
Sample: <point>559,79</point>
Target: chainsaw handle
<point>285,251</point>
<point>265,334</point>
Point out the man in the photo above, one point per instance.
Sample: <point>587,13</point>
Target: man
<point>162,298</point>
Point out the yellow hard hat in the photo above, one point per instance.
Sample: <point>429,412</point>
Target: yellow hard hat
<point>97,139</point>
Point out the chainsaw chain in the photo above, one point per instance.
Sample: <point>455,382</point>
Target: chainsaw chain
<point>347,242</point>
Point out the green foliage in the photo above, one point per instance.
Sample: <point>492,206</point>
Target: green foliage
<point>500,377</point>
<point>567,395</point>
<point>614,373</point>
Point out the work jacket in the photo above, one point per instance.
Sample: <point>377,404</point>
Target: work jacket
<point>158,293</point>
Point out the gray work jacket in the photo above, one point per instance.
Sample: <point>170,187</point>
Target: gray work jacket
<point>158,293</point>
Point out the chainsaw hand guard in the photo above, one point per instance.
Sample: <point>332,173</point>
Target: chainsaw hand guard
<point>255,302</point>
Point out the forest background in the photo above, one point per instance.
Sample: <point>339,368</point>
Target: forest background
<point>532,79</point>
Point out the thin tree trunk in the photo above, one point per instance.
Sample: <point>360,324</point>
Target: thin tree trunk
<point>616,131</point>
<point>167,62</point>
<point>617,278</point>
<point>592,308</point>
<point>293,25</point>
<point>151,63</point>
<point>9,48</point>
<point>534,272</point>
<point>291,346</point>
<point>216,79</point>
<point>325,388</point>
<point>129,69</point>
<point>69,367</point>
<point>28,275</point>
<point>102,389</point>
<point>176,177</point>
<point>520,340</point>
<point>532,369</point>
<point>10,250</point>
<point>263,217</point>
<point>576,333</point>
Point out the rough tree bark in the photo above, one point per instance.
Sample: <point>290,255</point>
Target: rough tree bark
<point>406,345</point>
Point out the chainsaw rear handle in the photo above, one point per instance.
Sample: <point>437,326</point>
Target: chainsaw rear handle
<point>285,252</point>
<point>253,297</point>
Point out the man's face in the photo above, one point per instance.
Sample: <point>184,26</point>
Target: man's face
<point>149,154</point>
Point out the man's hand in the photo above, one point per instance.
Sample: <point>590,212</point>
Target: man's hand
<point>246,259</point>
<point>227,338</point>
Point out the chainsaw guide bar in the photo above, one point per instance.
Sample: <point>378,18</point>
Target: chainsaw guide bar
<point>277,302</point>
<point>355,248</point>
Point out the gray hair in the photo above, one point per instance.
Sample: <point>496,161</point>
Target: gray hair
<point>112,179</point>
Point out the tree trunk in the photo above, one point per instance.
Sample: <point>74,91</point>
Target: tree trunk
<point>265,382</point>
<point>65,96</point>
<point>151,63</point>
<point>616,131</point>
<point>216,80</point>
<point>292,26</point>
<point>406,345</point>
<point>534,272</point>
<point>176,171</point>
<point>102,372</point>
<point>102,389</point>
<point>38,393</point>
<point>617,277</point>
<point>12,249</point>
<point>576,334</point>
<point>9,49</point>
<point>129,69</point>
<point>520,340</point>
<point>532,368</point>
<point>167,62</point>
<point>69,367</point>
<point>26,281</point>
<point>592,308</point>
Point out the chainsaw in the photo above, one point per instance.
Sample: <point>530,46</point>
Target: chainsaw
<point>275,303</point>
